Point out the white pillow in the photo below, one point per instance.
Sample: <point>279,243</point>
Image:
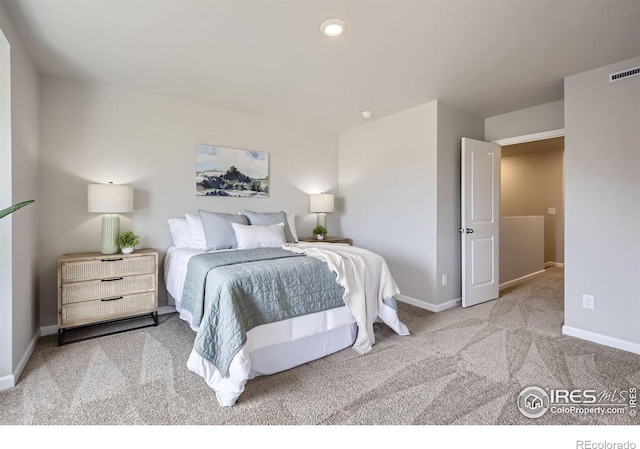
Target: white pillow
<point>179,232</point>
<point>196,232</point>
<point>291,219</point>
<point>256,236</point>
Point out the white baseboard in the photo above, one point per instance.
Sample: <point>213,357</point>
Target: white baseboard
<point>10,381</point>
<point>605,340</point>
<point>520,279</point>
<point>427,305</point>
<point>7,382</point>
<point>554,264</point>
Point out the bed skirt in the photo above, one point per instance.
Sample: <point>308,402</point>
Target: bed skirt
<point>271,349</point>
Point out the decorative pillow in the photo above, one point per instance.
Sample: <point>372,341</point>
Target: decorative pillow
<point>218,231</point>
<point>291,221</point>
<point>196,231</point>
<point>179,232</point>
<point>269,218</point>
<point>256,236</point>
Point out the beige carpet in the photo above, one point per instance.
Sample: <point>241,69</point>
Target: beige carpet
<point>461,366</point>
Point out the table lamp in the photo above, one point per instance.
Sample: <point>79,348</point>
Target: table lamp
<point>110,200</point>
<point>321,203</point>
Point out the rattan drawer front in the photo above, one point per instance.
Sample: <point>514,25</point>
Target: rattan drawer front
<point>106,309</point>
<point>107,288</point>
<point>109,267</point>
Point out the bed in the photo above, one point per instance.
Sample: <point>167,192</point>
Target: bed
<point>295,298</point>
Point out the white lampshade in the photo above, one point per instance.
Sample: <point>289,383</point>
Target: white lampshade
<point>110,198</point>
<point>321,202</point>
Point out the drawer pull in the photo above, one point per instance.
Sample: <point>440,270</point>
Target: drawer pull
<point>110,260</point>
<point>111,280</point>
<point>112,299</point>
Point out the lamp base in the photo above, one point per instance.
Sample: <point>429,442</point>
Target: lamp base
<point>322,220</point>
<point>110,231</point>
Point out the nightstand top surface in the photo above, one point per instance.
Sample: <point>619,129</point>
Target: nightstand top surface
<point>97,255</point>
<point>326,239</point>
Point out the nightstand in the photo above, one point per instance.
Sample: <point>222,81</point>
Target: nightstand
<point>95,288</point>
<point>326,240</point>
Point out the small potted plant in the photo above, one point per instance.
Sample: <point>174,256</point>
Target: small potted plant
<point>127,241</point>
<point>320,232</point>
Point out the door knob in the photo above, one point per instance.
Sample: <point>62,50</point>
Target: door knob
<point>469,231</point>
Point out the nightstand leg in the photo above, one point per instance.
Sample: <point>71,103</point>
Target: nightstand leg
<point>60,333</point>
<point>155,317</point>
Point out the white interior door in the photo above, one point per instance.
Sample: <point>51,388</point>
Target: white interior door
<point>480,221</point>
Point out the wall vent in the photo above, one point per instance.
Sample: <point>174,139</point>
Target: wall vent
<point>624,74</point>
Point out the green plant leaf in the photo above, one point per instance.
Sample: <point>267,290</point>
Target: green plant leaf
<point>15,207</point>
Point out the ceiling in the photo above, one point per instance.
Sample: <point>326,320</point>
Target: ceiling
<point>269,58</point>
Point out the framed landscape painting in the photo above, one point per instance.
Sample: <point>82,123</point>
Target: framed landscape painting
<point>231,172</point>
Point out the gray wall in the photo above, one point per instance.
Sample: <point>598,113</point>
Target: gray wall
<point>5,199</point>
<point>97,134</point>
<point>531,183</point>
<point>541,118</point>
<point>18,232</point>
<point>453,125</point>
<point>388,180</point>
<point>400,179</point>
<point>521,247</point>
<point>602,193</point>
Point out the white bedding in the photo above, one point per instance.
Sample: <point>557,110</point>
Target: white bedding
<point>270,348</point>
<point>367,282</point>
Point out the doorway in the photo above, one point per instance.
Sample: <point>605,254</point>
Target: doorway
<point>531,207</point>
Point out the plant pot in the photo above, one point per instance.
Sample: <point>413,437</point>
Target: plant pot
<point>127,250</point>
<point>320,237</point>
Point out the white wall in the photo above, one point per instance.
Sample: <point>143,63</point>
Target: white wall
<point>453,125</point>
<point>18,236</point>
<point>541,118</point>
<point>94,134</point>
<point>602,193</point>
<point>388,180</point>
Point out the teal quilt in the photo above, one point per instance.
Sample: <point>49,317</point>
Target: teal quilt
<point>229,293</point>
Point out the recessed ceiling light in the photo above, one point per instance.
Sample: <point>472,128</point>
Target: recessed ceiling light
<point>333,27</point>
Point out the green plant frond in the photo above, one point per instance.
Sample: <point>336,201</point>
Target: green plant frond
<point>15,207</point>
<point>128,240</point>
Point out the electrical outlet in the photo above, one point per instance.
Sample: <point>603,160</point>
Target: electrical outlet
<point>444,279</point>
<point>551,211</point>
<point>588,301</point>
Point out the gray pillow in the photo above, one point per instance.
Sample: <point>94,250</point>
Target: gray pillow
<point>271,218</point>
<point>218,231</point>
